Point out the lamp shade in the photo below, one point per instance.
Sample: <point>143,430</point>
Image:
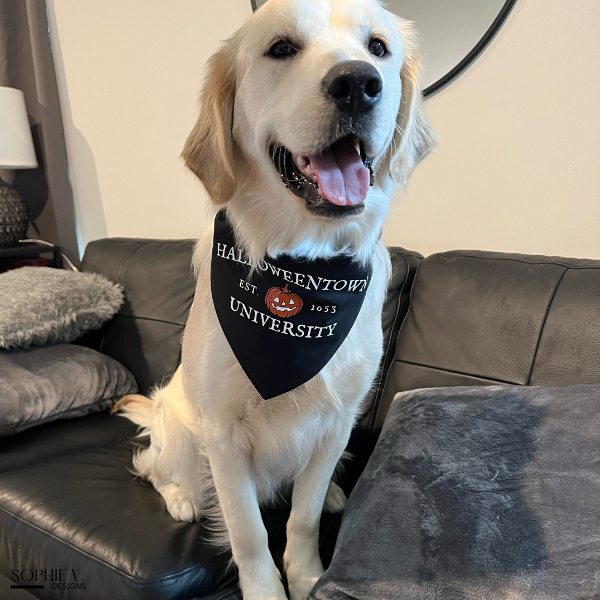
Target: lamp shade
<point>16,144</point>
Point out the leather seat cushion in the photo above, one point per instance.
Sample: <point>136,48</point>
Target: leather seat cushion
<point>68,500</point>
<point>84,510</point>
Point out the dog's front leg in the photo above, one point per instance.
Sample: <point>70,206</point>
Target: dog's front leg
<point>259,577</point>
<point>302,561</point>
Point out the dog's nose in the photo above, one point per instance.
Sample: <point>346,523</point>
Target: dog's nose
<point>355,86</point>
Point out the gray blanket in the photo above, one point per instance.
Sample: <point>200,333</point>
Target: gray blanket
<point>476,493</point>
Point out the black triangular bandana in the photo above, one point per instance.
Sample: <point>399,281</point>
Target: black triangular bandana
<point>286,320</point>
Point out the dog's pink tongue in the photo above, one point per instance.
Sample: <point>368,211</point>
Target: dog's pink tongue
<point>341,175</point>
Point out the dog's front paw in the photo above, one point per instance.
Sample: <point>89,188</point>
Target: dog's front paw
<point>275,594</point>
<point>261,581</point>
<point>302,569</point>
<point>335,500</point>
<point>301,584</point>
<point>181,506</point>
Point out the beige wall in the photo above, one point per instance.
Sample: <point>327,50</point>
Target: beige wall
<point>517,167</point>
<point>518,163</point>
<point>129,74</point>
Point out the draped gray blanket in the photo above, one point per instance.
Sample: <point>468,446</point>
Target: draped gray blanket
<point>476,493</point>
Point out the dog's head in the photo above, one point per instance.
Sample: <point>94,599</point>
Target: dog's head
<point>314,105</point>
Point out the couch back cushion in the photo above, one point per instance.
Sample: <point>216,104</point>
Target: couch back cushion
<point>159,287</point>
<point>483,318</point>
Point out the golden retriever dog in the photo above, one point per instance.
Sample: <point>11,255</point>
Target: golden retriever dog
<point>310,116</point>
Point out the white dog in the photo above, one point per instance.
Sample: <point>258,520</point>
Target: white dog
<point>294,105</point>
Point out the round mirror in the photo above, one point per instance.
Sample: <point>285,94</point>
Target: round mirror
<point>452,33</point>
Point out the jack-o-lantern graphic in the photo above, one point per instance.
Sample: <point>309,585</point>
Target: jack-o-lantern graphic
<point>282,302</point>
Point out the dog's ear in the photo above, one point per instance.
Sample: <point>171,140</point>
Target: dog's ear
<point>414,137</point>
<point>209,149</point>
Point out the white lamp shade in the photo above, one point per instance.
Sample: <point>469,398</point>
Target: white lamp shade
<point>16,144</point>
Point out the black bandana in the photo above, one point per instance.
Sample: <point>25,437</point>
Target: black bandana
<point>286,321</point>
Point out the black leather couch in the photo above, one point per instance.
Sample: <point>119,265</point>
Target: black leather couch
<point>68,500</point>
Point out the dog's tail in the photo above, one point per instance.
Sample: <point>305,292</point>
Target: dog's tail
<point>136,408</point>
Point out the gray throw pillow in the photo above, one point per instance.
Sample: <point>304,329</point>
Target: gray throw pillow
<point>40,305</point>
<point>57,382</point>
<point>476,493</point>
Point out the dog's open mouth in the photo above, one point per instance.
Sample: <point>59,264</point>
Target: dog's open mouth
<point>333,183</point>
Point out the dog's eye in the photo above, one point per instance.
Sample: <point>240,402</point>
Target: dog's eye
<point>282,49</point>
<point>377,47</point>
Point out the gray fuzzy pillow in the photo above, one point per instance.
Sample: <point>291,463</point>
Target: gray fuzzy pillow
<point>40,306</point>
<point>476,493</point>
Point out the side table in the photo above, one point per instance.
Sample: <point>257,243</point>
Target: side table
<point>30,254</point>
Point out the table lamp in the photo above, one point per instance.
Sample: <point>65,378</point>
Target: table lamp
<point>16,152</point>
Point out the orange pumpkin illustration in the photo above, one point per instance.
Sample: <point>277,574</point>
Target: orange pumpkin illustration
<point>282,302</point>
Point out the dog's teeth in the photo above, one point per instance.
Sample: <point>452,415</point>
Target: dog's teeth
<point>308,170</point>
<point>301,161</point>
<point>357,145</point>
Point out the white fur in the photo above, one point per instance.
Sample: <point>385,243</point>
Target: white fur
<point>217,448</point>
